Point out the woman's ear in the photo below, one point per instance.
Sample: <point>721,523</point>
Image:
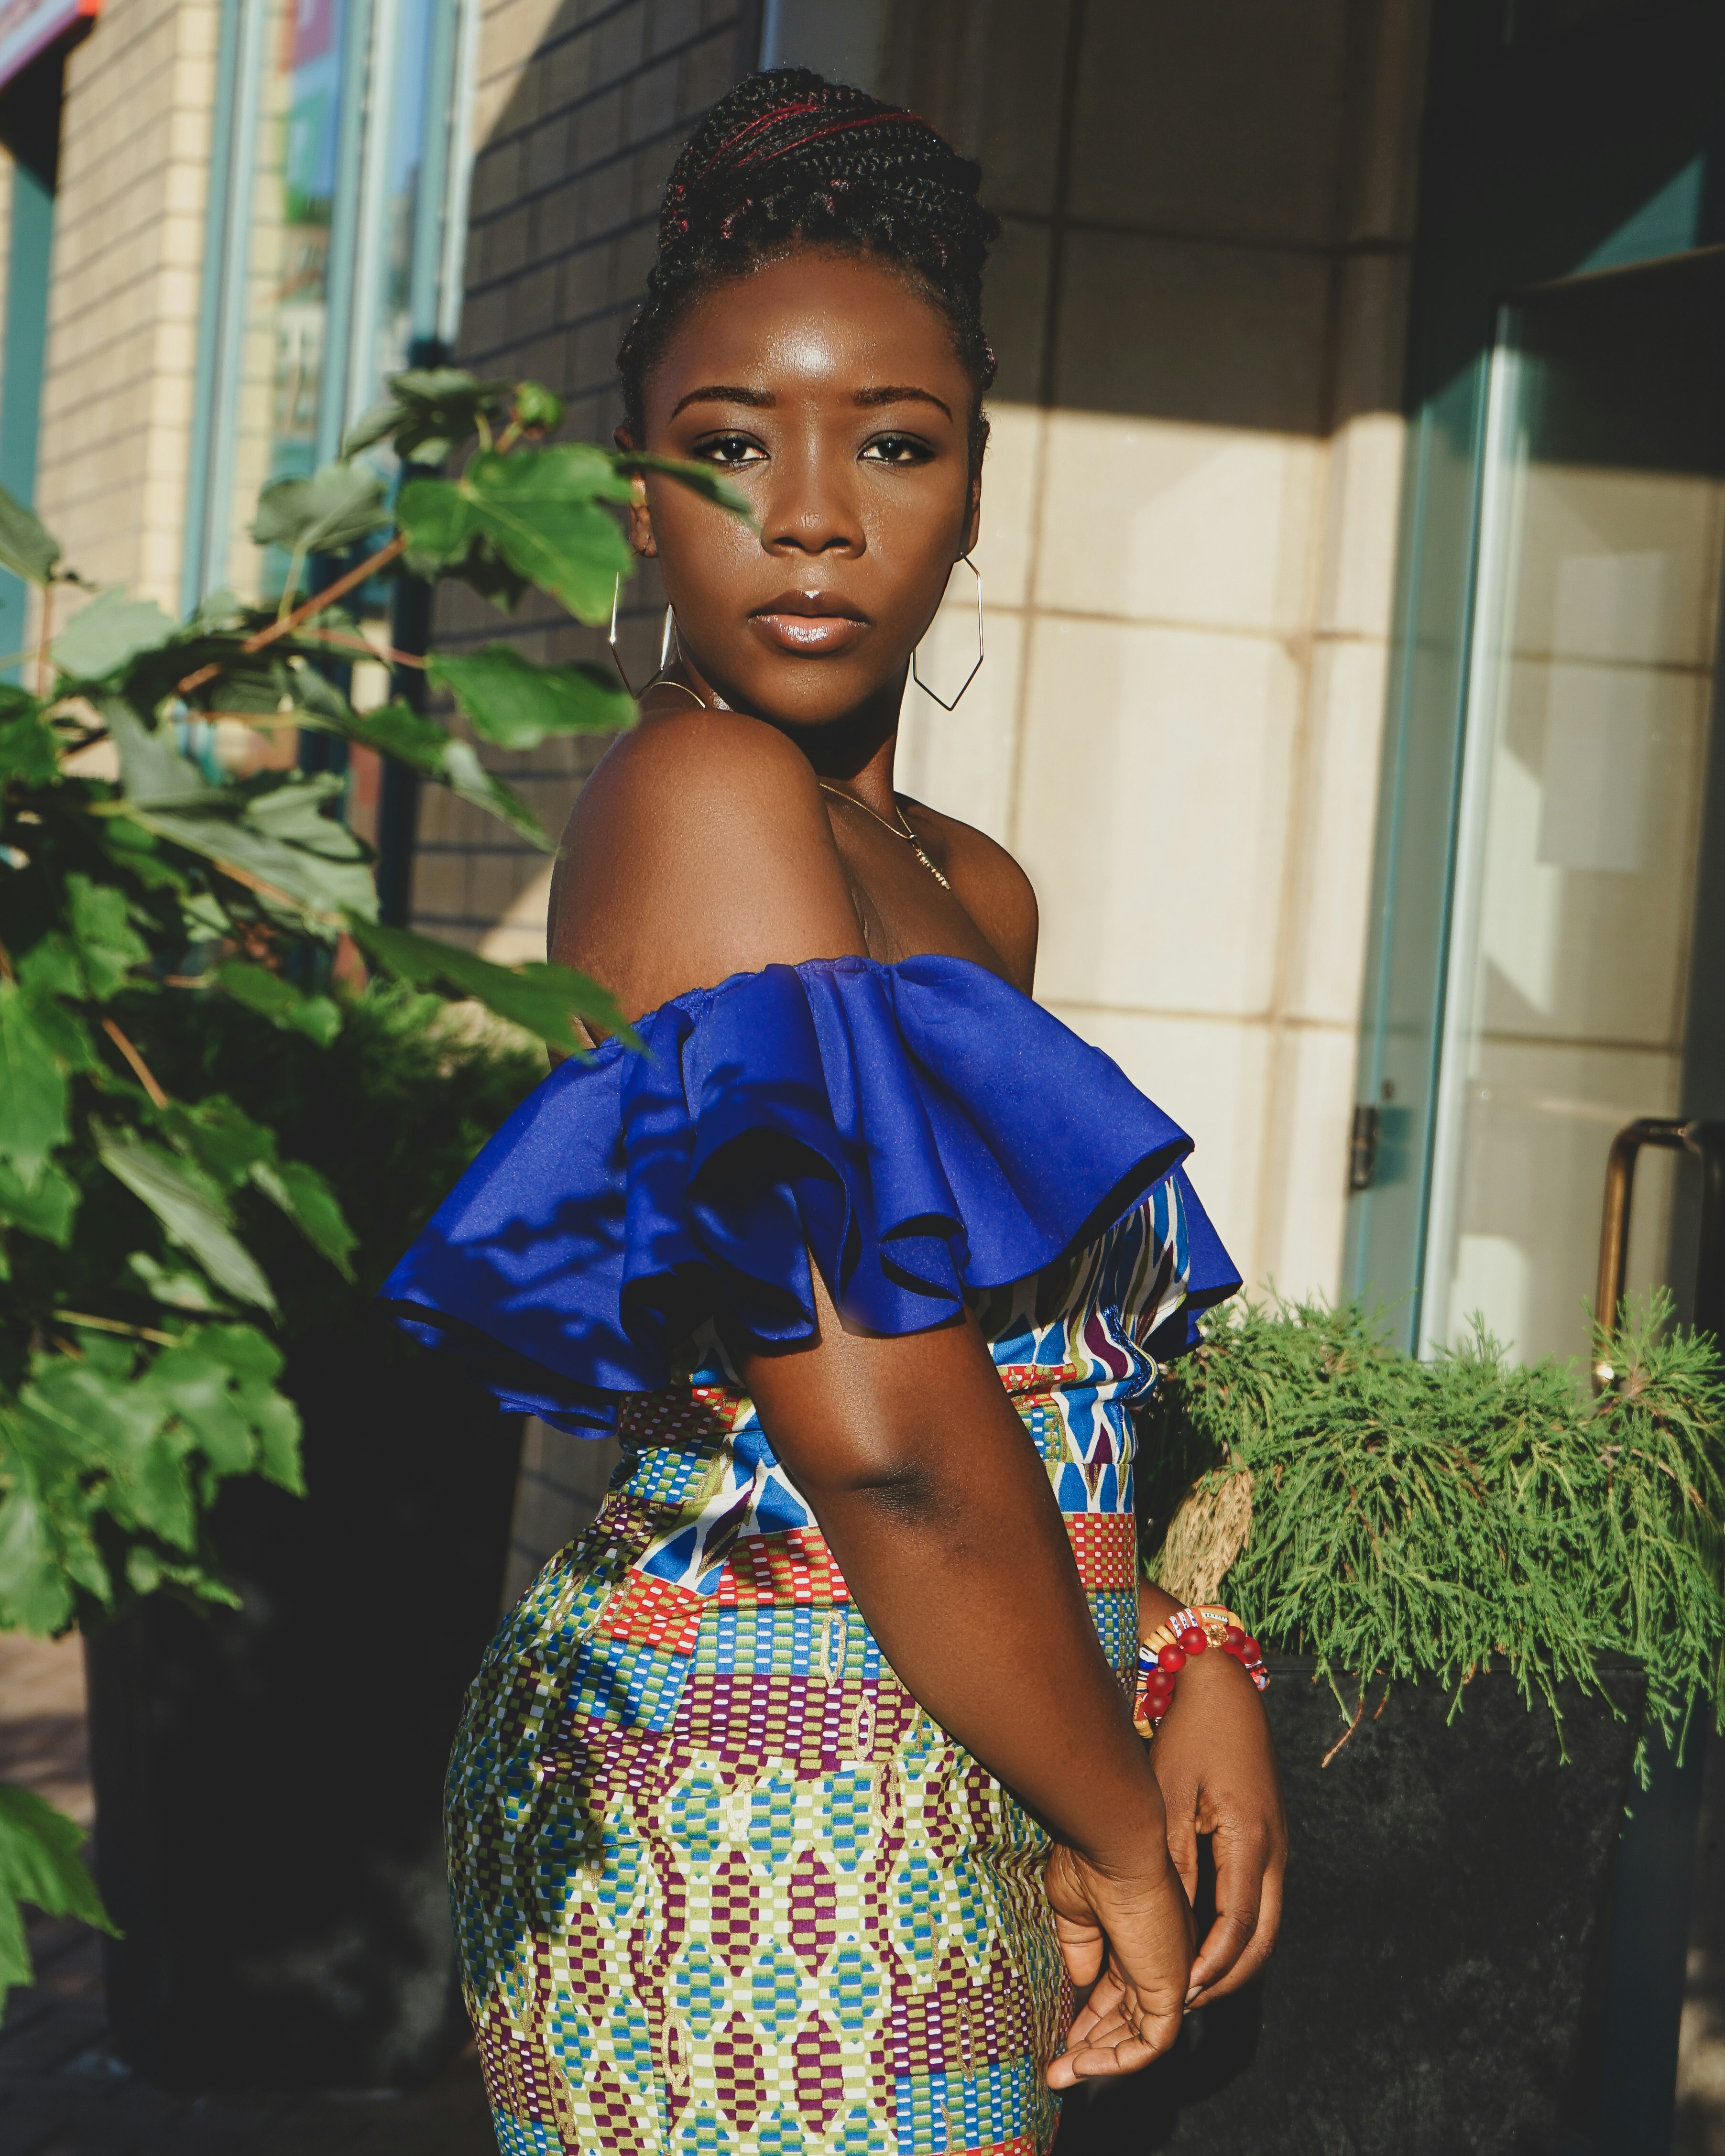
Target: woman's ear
<point>973,521</point>
<point>640,513</point>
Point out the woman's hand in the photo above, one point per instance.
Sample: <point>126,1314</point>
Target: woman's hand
<point>1216,1767</point>
<point>1131,1937</point>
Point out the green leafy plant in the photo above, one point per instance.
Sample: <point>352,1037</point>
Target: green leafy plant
<point>1402,1520</point>
<point>141,1320</point>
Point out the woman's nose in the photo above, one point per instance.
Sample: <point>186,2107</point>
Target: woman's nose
<point>812,509</point>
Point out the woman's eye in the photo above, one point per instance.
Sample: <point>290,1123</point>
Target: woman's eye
<point>731,449</point>
<point>896,449</point>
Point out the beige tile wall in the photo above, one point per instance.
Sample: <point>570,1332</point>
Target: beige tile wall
<point>1188,543</point>
<point>117,390</point>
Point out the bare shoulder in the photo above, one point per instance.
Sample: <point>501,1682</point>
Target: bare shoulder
<point>700,848</point>
<point>996,892</point>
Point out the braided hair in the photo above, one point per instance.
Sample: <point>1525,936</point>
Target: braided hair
<point>787,156</point>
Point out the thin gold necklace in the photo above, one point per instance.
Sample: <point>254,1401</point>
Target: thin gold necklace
<point>900,829</point>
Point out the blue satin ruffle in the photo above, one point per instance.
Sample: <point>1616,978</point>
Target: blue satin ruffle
<point>923,1128</point>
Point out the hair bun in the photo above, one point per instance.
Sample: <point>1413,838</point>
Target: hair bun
<point>790,137</point>
<point>788,155</point>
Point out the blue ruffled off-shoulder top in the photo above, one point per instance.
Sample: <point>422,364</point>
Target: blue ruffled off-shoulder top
<point>923,1129</point>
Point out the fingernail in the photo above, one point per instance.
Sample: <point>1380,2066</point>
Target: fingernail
<point>1193,1993</point>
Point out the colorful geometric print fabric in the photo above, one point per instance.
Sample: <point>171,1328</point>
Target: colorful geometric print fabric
<point>722,1888</point>
<point>1078,1349</point>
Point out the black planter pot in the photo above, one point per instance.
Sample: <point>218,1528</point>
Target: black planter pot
<point>268,1781</point>
<point>1438,1981</point>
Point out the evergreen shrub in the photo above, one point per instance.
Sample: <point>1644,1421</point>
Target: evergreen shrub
<point>1405,1520</point>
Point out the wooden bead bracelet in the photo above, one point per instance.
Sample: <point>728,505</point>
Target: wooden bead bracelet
<point>1164,1655</point>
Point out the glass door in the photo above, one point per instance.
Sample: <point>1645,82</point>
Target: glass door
<point>1582,980</point>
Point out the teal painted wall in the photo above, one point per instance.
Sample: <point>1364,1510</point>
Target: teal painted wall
<point>29,127</point>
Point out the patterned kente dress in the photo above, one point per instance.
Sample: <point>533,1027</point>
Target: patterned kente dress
<point>721,1885</point>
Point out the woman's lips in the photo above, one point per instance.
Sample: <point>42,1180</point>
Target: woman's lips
<point>810,635</point>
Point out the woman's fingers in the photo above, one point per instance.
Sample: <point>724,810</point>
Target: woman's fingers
<point>1146,1923</point>
<point>1105,2037</point>
<point>1079,1935</point>
<point>1125,2057</point>
<point>1249,1883</point>
<point>1101,2010</point>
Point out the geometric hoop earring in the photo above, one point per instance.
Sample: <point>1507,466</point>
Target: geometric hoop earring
<point>980,655</point>
<point>616,656</point>
<point>667,638</point>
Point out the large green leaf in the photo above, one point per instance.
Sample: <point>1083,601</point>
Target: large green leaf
<point>50,968</point>
<point>221,1138</point>
<point>308,1201</point>
<point>105,635</point>
<point>35,1594</point>
<point>319,1018</point>
<point>699,479</point>
<point>40,1863</point>
<point>516,704</point>
<point>180,1288</point>
<point>190,1216</point>
<point>45,1207</point>
<point>33,1087</point>
<point>540,999</point>
<point>394,729</point>
<point>151,768</point>
<point>27,548</point>
<point>94,1408</point>
<point>339,505</point>
<point>463,773</point>
<point>540,510</point>
<point>278,833</point>
<point>29,754</point>
<point>219,1381</point>
<point>108,945</point>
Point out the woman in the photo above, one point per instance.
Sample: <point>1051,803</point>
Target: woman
<point>796,1798</point>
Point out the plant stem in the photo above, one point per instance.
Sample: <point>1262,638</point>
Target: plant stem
<point>328,596</point>
<point>1359,1716</point>
<point>285,624</point>
<point>145,1076</point>
<point>385,654</point>
<point>114,1325</point>
<point>44,633</point>
<point>295,564</point>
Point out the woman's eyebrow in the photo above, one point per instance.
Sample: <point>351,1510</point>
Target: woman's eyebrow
<point>725,392</point>
<point>895,393</point>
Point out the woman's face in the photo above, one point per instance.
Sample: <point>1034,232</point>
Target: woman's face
<point>826,388</point>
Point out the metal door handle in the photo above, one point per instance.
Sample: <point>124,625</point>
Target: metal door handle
<point>1674,1134</point>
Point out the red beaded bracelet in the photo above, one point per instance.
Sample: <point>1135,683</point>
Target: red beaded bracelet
<point>1164,1655</point>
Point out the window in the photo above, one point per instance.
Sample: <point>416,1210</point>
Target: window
<point>337,213</point>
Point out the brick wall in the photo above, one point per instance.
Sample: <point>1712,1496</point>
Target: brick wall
<point>582,109</point>
<point>117,392</point>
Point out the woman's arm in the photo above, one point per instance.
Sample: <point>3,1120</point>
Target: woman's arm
<point>940,1515</point>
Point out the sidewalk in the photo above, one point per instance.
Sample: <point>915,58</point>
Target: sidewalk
<point>63,2093</point>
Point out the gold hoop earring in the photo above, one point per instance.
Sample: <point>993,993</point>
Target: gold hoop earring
<point>980,654</point>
